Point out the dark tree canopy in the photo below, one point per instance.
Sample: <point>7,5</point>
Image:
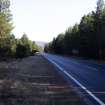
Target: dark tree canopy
<point>9,45</point>
<point>84,39</point>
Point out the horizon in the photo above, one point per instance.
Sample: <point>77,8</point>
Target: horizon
<point>44,20</point>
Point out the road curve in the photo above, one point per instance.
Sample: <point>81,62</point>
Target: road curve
<point>90,77</point>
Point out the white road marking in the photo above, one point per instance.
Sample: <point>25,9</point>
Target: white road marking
<point>77,82</point>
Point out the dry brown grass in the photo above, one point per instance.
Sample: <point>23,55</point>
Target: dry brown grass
<point>34,81</point>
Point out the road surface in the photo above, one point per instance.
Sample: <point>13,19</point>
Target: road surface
<point>88,77</point>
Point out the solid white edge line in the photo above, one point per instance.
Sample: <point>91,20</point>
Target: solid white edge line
<point>77,82</point>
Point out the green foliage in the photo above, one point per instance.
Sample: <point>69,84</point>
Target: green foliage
<point>9,45</point>
<point>58,44</point>
<point>5,28</point>
<point>21,51</point>
<point>84,39</point>
<point>25,47</point>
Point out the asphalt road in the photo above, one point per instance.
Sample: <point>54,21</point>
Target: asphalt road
<point>87,76</point>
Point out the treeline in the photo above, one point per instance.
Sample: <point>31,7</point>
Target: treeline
<point>24,47</point>
<point>85,39</point>
<point>9,45</point>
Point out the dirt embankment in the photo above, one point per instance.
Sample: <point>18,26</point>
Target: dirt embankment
<point>34,81</point>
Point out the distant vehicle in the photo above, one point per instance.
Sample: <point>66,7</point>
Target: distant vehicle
<point>34,52</point>
<point>37,53</point>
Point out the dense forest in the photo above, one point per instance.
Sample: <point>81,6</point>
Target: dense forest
<point>9,45</point>
<point>86,39</point>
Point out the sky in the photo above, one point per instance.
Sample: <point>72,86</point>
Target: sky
<point>42,20</point>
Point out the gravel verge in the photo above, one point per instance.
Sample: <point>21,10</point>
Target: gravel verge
<point>34,81</point>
